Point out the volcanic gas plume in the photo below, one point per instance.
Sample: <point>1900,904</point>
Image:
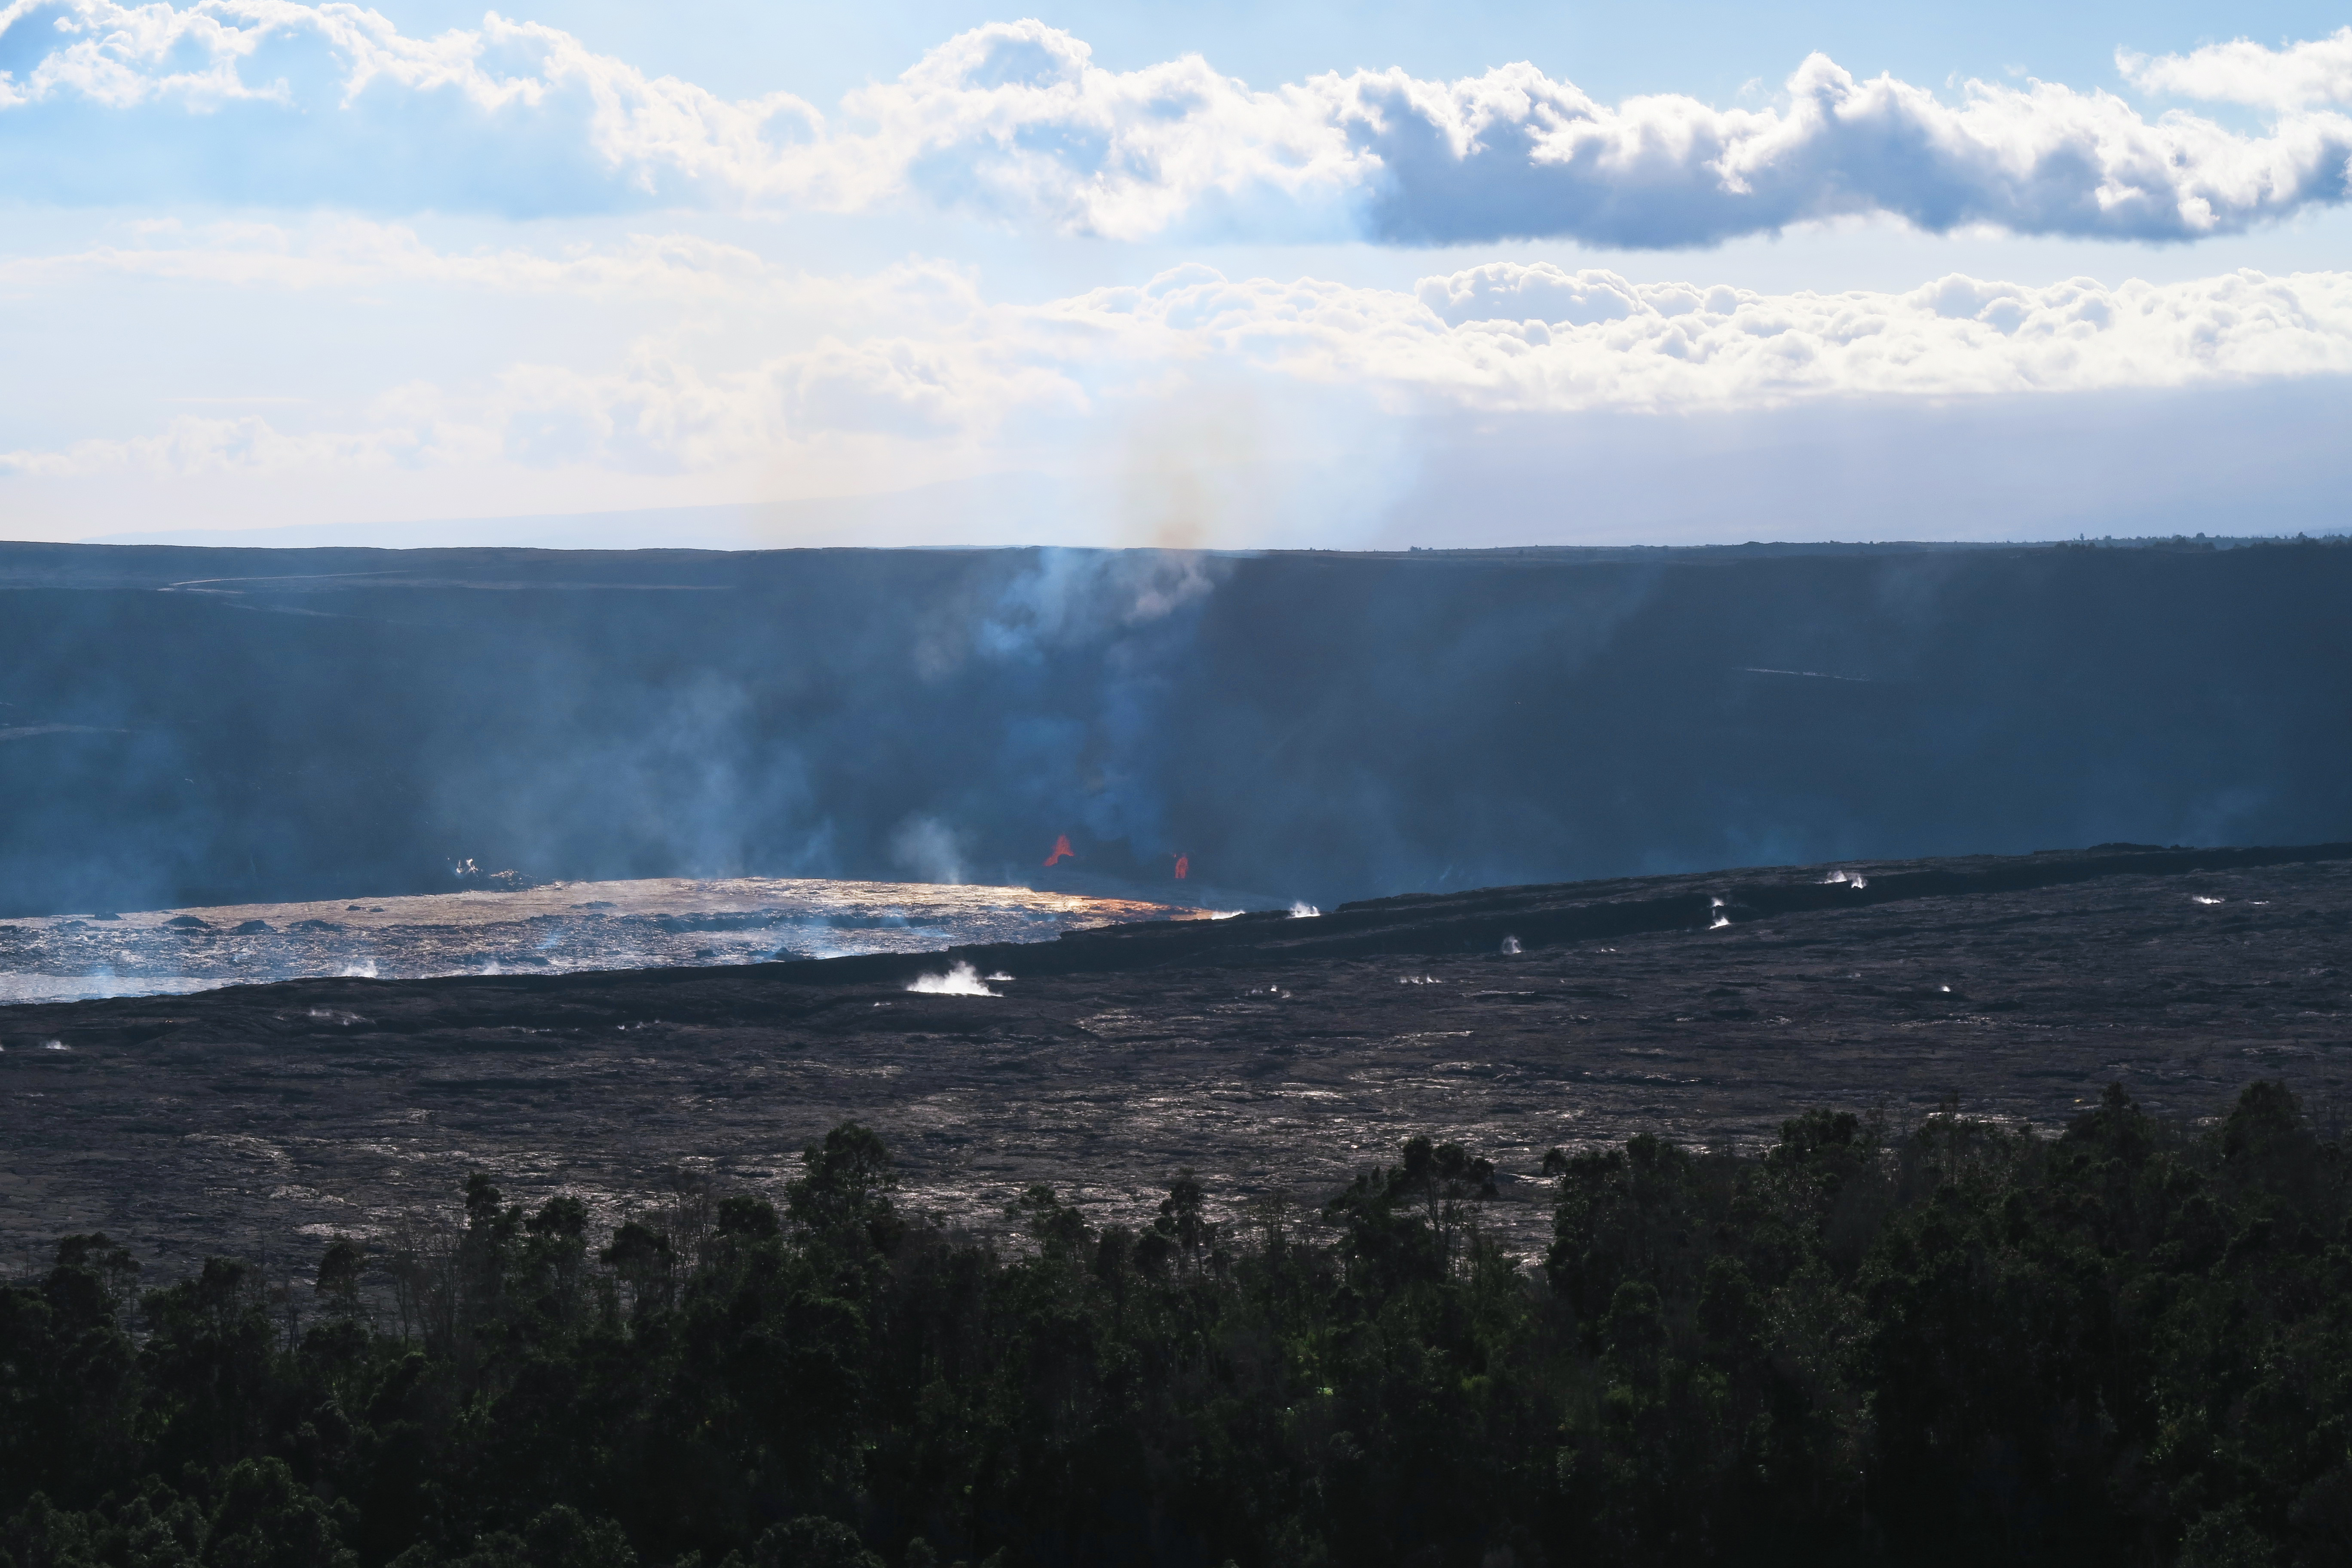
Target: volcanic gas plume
<point>1327,726</point>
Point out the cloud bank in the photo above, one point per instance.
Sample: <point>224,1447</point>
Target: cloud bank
<point>2316,71</point>
<point>273,102</point>
<point>916,357</point>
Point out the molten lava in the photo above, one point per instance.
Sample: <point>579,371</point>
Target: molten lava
<point>1183,865</point>
<point>1061,849</point>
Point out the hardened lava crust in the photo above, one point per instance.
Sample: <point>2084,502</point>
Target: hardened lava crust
<point>1266,1052</point>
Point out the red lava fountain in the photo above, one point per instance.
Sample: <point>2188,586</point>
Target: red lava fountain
<point>1062,849</point>
<point>1183,865</point>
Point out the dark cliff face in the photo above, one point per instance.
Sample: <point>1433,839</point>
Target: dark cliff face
<point>187,726</point>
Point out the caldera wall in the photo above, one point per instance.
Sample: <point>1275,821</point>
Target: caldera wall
<point>215,726</point>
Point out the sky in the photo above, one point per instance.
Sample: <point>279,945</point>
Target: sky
<point>727,273</point>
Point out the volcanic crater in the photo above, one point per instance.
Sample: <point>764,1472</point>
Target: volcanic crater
<point>1268,1052</point>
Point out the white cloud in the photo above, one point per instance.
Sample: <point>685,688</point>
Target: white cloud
<point>538,123</point>
<point>659,410</point>
<point>348,253</point>
<point>2316,71</point>
<point>1539,339</point>
<point>1015,122</point>
<point>914,361</point>
<point>1513,152</point>
<point>194,446</point>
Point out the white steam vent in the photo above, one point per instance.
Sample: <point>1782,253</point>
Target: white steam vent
<point>1304,912</point>
<point>961,980</point>
<point>1853,879</point>
<point>1510,944</point>
<point>2201,899</point>
<point>1720,920</point>
<point>927,850</point>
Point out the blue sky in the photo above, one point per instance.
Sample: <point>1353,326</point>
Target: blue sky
<point>738,273</point>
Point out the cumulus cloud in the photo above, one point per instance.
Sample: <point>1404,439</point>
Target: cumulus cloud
<point>1015,122</point>
<point>915,359</point>
<point>274,102</point>
<point>1514,153</point>
<point>1540,339</point>
<point>2318,70</point>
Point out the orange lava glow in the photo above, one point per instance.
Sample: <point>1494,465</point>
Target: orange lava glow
<point>1061,849</point>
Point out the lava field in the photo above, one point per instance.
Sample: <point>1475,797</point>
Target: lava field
<point>1266,1052</point>
<point>552,928</point>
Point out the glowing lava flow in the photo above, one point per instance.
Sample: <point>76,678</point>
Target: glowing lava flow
<point>1183,865</point>
<point>554,929</point>
<point>1061,849</point>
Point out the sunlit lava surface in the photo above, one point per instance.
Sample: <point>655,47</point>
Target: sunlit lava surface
<point>551,928</point>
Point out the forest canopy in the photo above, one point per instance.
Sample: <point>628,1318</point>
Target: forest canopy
<point>2127,1342</point>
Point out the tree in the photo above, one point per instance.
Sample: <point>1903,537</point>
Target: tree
<point>811,1541</point>
<point>846,1196</point>
<point>1059,1229</point>
<point>113,1266</point>
<point>1183,1220</point>
<point>265,1519</point>
<point>641,1260</point>
<point>555,1256</point>
<point>339,1276</point>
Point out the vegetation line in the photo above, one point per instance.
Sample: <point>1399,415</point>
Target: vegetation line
<point>2129,1342</point>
